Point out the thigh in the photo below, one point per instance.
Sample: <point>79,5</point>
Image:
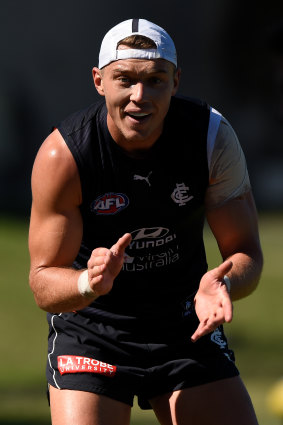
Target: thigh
<point>221,402</point>
<point>69,407</point>
<point>82,359</point>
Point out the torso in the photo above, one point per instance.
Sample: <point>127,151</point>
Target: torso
<point>159,199</point>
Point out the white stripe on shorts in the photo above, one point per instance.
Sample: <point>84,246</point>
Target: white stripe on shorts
<point>53,348</point>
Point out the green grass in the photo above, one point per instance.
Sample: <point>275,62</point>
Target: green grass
<point>255,333</point>
<point>257,328</point>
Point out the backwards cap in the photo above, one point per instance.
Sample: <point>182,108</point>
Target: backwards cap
<point>109,47</point>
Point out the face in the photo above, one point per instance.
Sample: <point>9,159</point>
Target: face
<point>137,94</point>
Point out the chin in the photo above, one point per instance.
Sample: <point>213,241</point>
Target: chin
<point>142,138</point>
<point>138,140</point>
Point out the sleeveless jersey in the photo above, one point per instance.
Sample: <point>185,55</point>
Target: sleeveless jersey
<point>159,199</point>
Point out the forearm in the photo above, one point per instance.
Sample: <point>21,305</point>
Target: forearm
<point>235,227</point>
<point>55,289</point>
<point>245,274</point>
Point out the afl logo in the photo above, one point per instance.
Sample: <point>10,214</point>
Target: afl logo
<point>109,203</point>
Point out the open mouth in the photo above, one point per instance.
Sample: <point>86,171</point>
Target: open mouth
<point>138,116</point>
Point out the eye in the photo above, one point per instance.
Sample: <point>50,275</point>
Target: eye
<point>124,80</point>
<point>155,80</point>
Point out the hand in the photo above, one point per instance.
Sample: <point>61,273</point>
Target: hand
<point>213,304</point>
<point>105,264</point>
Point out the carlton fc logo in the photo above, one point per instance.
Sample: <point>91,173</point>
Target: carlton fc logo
<point>109,204</point>
<point>181,194</point>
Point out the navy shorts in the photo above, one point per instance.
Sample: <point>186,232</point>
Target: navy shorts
<point>94,356</point>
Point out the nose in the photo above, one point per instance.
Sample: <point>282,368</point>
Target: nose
<point>138,92</point>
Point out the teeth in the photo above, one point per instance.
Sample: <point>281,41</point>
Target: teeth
<point>138,114</point>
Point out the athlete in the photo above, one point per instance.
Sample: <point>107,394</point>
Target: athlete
<point>120,194</point>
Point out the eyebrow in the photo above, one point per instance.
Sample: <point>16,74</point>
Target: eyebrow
<point>153,71</point>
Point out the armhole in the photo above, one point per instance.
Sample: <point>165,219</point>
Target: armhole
<point>213,126</point>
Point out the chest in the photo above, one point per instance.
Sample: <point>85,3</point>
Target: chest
<point>163,190</point>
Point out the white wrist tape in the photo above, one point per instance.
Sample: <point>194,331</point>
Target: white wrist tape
<point>83,286</point>
<point>227,283</point>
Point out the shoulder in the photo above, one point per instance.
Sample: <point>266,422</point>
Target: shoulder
<point>54,152</point>
<point>226,149</point>
<point>221,136</point>
<point>55,170</point>
<point>81,118</point>
<point>227,140</point>
<point>188,115</point>
<point>185,103</point>
<point>228,174</point>
<point>226,129</point>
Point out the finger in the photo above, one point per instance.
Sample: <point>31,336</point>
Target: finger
<point>98,252</point>
<point>228,311</point>
<point>97,261</point>
<point>211,323</point>
<point>200,331</point>
<point>94,280</point>
<point>97,270</point>
<point>204,330</point>
<point>119,247</point>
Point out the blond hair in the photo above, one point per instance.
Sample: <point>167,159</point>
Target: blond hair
<point>137,42</point>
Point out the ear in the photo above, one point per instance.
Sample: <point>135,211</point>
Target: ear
<point>98,80</point>
<point>177,77</point>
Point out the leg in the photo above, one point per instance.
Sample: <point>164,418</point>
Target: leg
<point>222,402</point>
<point>70,407</point>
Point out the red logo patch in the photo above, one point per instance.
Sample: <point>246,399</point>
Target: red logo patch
<point>109,203</point>
<point>78,364</point>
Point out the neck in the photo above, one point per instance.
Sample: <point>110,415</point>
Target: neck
<point>135,145</point>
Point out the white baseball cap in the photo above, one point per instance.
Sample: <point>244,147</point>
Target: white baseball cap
<point>164,43</point>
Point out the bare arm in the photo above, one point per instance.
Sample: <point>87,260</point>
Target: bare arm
<point>235,228</point>
<point>56,231</point>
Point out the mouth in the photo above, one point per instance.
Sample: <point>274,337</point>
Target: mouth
<point>138,116</point>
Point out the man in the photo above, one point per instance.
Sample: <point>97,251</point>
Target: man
<point>120,192</point>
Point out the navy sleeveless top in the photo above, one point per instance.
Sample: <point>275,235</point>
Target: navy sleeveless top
<point>159,199</point>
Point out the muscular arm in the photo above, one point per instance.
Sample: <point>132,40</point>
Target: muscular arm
<point>55,227</point>
<point>56,231</point>
<point>235,228</point>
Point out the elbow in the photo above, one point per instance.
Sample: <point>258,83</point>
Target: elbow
<point>39,302</point>
<point>255,269</point>
<point>37,290</point>
<point>33,286</point>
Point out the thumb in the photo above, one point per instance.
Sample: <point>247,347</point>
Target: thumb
<point>224,268</point>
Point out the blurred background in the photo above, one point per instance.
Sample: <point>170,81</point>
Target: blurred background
<point>230,52</point>
<point>231,55</point>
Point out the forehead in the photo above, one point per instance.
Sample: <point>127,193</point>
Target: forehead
<point>140,66</point>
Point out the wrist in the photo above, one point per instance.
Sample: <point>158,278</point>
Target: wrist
<point>84,287</point>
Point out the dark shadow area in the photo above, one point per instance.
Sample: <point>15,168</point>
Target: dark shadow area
<point>230,54</point>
